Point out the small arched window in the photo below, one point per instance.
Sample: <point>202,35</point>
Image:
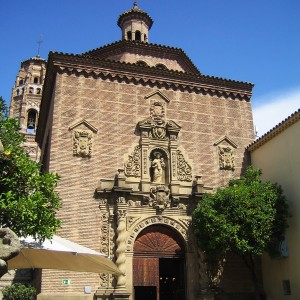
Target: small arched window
<point>137,35</point>
<point>21,82</point>
<point>129,35</point>
<point>31,90</point>
<point>35,80</point>
<point>145,37</point>
<point>141,63</point>
<point>31,121</point>
<point>18,92</point>
<point>38,91</point>
<point>161,67</point>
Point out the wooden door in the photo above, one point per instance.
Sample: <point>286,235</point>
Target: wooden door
<point>153,244</point>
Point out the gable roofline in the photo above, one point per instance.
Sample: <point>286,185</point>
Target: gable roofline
<point>197,78</point>
<point>282,126</point>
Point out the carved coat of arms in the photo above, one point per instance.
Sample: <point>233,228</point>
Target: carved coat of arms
<point>159,197</point>
<point>82,145</point>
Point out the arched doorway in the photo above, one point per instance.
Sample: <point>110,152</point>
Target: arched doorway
<point>159,264</point>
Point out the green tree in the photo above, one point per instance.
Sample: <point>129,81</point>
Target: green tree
<point>28,200</point>
<point>248,217</point>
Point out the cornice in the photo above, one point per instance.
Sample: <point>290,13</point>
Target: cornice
<point>205,86</point>
<point>285,124</point>
<point>70,63</point>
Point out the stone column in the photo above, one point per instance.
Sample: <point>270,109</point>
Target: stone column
<point>121,237</point>
<point>145,128</point>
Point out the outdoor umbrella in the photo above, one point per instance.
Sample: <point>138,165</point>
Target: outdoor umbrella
<point>61,254</point>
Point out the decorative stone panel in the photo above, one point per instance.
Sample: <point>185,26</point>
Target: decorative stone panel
<point>184,170</point>
<point>133,163</point>
<point>226,153</point>
<point>83,138</point>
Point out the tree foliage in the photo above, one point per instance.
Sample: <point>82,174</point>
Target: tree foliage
<point>19,291</point>
<point>28,200</point>
<point>247,217</point>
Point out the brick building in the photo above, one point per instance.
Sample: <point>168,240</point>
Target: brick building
<point>138,134</point>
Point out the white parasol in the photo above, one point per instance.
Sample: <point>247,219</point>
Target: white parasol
<point>61,254</point>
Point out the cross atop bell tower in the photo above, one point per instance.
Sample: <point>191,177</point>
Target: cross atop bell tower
<point>135,24</point>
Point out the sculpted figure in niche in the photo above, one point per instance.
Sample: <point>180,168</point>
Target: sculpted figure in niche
<point>158,167</point>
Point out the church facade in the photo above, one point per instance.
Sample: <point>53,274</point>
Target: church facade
<point>138,134</point>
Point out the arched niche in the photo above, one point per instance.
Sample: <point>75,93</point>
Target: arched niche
<point>159,166</point>
<point>31,121</point>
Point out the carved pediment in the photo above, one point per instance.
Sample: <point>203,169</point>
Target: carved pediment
<point>158,95</point>
<point>225,140</point>
<point>84,123</point>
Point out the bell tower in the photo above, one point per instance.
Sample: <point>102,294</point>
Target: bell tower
<point>135,24</point>
<point>26,99</point>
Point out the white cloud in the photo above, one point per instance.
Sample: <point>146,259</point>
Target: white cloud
<point>278,108</point>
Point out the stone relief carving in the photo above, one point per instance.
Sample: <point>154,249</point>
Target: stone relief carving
<point>158,167</point>
<point>159,197</point>
<point>82,143</point>
<point>157,114</point>
<point>132,203</point>
<point>104,217</point>
<point>181,206</point>
<point>131,220</point>
<point>104,279</point>
<point>186,222</point>
<point>133,163</point>
<point>184,170</point>
<point>226,158</point>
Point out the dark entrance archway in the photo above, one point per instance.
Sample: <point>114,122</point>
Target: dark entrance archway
<point>159,264</point>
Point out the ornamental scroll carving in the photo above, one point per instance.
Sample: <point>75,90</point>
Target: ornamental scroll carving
<point>184,170</point>
<point>226,158</point>
<point>133,163</point>
<point>82,143</point>
<point>104,218</point>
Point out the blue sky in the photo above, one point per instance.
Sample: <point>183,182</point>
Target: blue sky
<point>255,41</point>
